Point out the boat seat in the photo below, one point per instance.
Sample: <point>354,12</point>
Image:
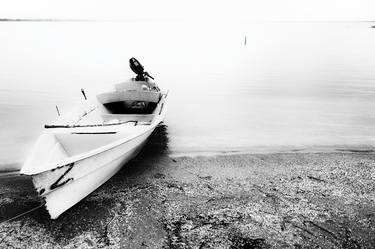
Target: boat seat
<point>135,85</point>
<point>107,118</point>
<point>111,97</point>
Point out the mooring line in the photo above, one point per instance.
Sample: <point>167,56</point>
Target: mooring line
<point>22,214</point>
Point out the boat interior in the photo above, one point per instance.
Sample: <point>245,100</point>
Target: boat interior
<point>131,101</point>
<point>131,97</point>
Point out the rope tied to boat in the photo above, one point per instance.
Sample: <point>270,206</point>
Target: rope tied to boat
<point>24,213</point>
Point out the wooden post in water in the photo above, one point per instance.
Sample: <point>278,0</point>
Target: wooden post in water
<point>57,109</point>
<point>245,40</point>
<point>83,92</point>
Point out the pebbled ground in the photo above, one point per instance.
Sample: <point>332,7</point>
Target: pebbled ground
<point>290,200</point>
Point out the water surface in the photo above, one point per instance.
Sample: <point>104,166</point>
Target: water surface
<point>294,85</point>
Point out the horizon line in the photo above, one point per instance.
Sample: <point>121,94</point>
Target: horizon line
<point>153,19</point>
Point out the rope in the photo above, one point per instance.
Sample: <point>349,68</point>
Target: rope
<point>24,213</point>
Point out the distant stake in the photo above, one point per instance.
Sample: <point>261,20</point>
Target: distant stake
<point>245,40</point>
<point>57,109</point>
<point>84,94</point>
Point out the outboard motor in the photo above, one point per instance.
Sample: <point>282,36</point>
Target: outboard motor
<point>138,69</point>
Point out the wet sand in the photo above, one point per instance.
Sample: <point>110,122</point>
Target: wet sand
<point>284,200</point>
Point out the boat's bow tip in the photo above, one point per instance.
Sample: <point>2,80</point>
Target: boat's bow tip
<point>51,213</point>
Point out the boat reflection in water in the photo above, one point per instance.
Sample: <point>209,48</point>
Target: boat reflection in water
<point>152,154</point>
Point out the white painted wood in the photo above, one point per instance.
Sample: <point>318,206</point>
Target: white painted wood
<point>146,96</point>
<point>128,117</point>
<point>132,84</point>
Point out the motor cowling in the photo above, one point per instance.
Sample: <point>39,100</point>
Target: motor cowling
<point>136,66</point>
<point>138,69</point>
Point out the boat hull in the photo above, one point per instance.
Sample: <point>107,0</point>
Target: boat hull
<point>62,188</point>
<point>78,153</point>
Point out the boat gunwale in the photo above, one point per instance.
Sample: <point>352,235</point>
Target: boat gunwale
<point>89,125</point>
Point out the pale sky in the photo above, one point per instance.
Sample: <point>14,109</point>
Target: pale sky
<point>226,10</point>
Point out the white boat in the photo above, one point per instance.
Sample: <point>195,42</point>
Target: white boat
<point>82,150</point>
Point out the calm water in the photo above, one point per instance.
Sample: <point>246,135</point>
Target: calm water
<point>294,85</point>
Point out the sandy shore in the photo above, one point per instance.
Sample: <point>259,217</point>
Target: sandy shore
<point>292,200</point>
